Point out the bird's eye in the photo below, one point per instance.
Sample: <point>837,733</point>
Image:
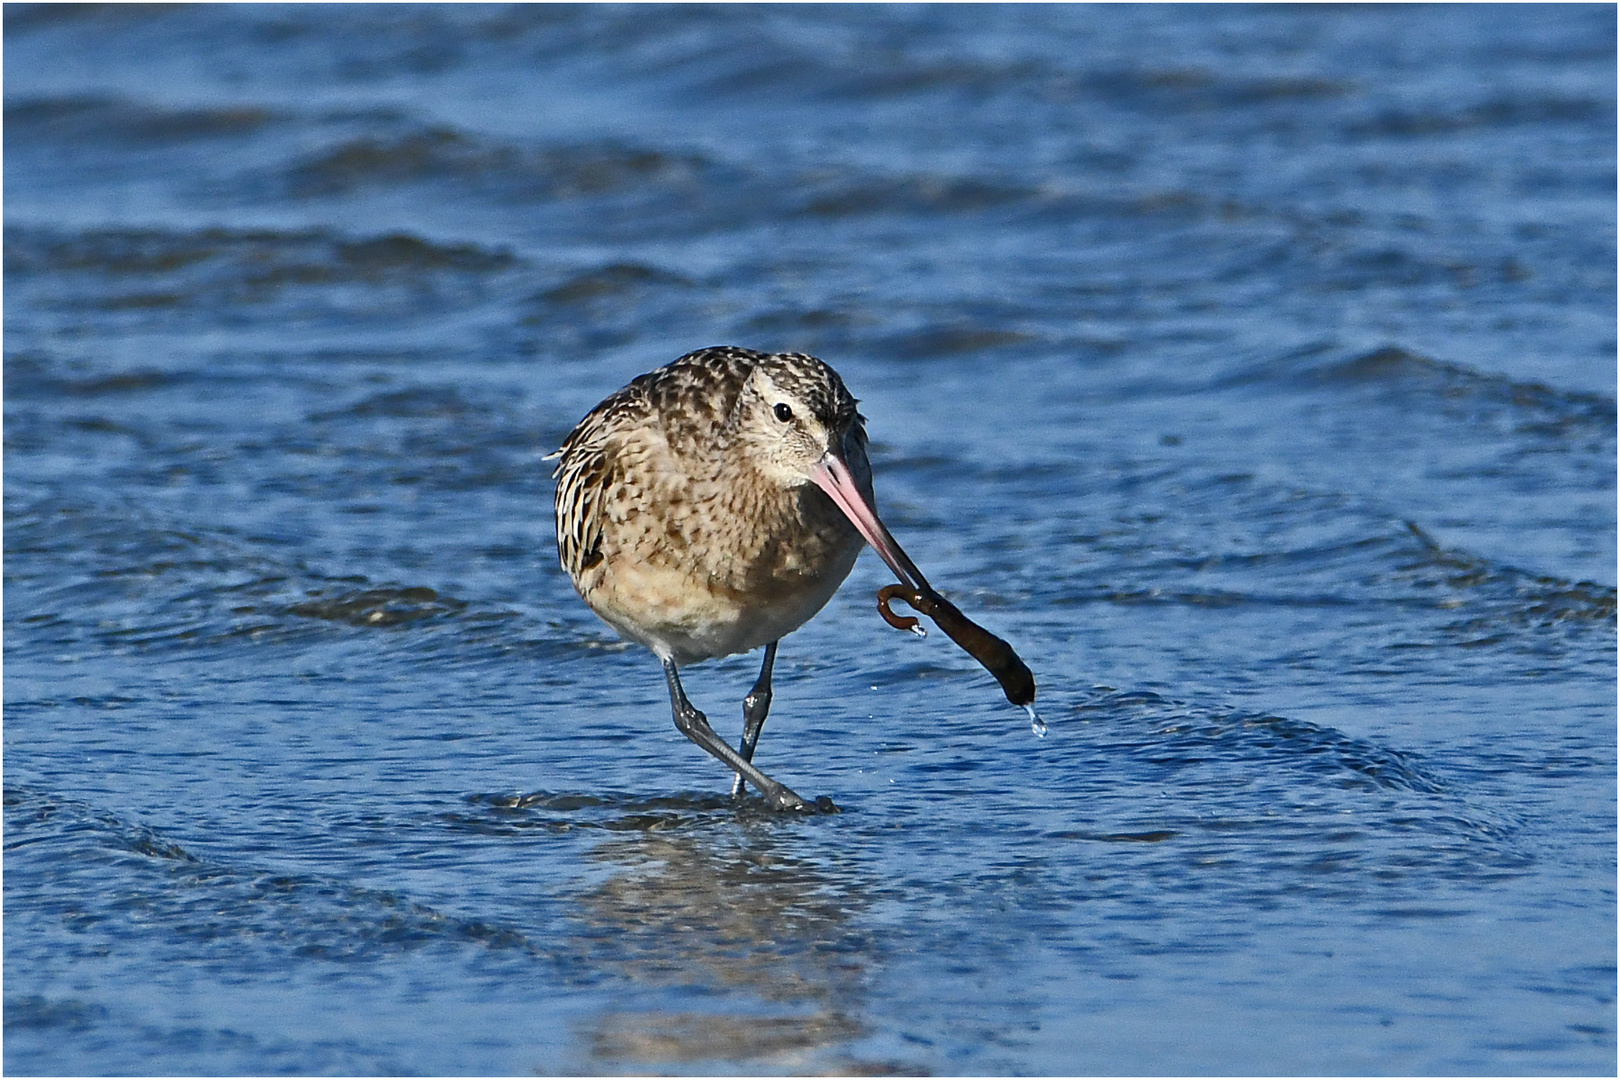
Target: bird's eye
<point>783,413</point>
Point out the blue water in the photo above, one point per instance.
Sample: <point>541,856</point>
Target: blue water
<point>1252,370</point>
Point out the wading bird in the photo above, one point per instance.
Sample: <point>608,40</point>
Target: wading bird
<point>713,506</point>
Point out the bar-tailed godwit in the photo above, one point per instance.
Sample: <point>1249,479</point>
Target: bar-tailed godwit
<point>713,506</point>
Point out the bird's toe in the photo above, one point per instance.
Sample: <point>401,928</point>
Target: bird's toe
<point>784,798</point>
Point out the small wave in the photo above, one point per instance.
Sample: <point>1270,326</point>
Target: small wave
<point>142,875</point>
<point>606,306</point>
<point>416,403</point>
<point>1393,365</point>
<point>27,20</point>
<point>871,75</point>
<point>1304,794</point>
<point>209,268</point>
<point>1153,837</point>
<point>664,1038</point>
<point>149,587</point>
<point>1182,736</point>
<point>1201,598</point>
<point>940,341</point>
<point>1198,89</point>
<point>119,121</point>
<point>1547,410</point>
<point>147,252</point>
<point>1492,594</point>
<point>35,375</point>
<point>636,804</point>
<point>1403,379</point>
<point>865,192</point>
<point>34,1012</point>
<point>912,195</point>
<point>27,807</point>
<point>1525,109</point>
<point>1299,549</point>
<point>380,607</point>
<point>503,170</point>
<point>611,280</point>
<point>510,815</point>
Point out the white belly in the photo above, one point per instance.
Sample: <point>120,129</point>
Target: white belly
<point>685,620</point>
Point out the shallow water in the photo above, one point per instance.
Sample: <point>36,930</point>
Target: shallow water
<point>1251,370</point>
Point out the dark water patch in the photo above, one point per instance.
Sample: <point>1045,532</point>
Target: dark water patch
<point>602,307</point>
<point>400,252</point>
<point>59,526</point>
<point>635,804</point>
<point>379,607</point>
<point>1193,90</point>
<point>860,194</point>
<point>212,269</point>
<point>1382,569</point>
<point>33,1012</point>
<point>34,817</point>
<point>1152,837</point>
<point>903,61</point>
<point>851,192</point>
<point>936,342</point>
<point>614,279</point>
<point>117,121</point>
<point>26,18</point>
<point>141,252</point>
<point>1498,112</point>
<point>806,324</point>
<point>435,152</point>
<point>1389,266</point>
<point>1180,598</point>
<point>871,74</point>
<point>413,403</point>
<point>509,172</point>
<point>605,308</point>
<point>38,375</point>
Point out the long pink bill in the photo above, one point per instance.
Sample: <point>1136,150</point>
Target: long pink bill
<point>833,476</point>
<point>1017,682</point>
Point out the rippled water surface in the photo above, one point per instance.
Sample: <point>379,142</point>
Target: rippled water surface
<point>1251,369</point>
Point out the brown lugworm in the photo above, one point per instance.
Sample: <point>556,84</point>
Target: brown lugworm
<point>998,657</point>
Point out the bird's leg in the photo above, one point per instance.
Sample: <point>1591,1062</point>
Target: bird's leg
<point>755,706</point>
<point>695,726</point>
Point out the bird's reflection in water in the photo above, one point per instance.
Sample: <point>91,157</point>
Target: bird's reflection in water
<point>738,954</point>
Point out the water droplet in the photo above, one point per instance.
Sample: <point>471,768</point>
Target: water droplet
<point>1036,724</point>
<point>920,630</point>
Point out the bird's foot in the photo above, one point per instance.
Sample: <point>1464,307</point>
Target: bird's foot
<point>784,799</point>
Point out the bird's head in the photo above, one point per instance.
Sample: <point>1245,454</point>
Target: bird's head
<point>798,424</point>
<point>793,411</point>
